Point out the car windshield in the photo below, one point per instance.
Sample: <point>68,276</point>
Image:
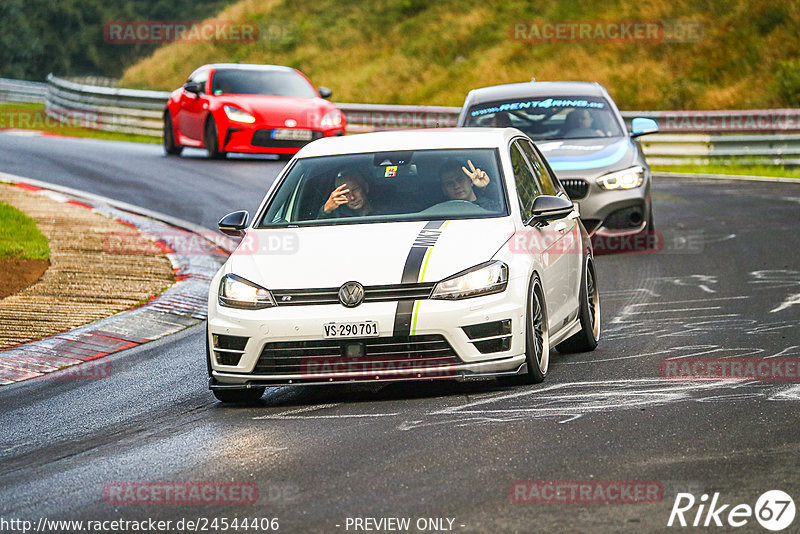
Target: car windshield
<point>260,82</point>
<point>549,117</point>
<point>388,186</point>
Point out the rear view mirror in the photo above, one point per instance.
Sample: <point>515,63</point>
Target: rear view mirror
<point>643,126</point>
<point>324,92</point>
<point>233,224</point>
<point>548,208</point>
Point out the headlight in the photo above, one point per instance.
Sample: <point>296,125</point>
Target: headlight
<point>484,279</point>
<point>331,120</point>
<point>627,179</point>
<point>236,114</point>
<point>236,292</point>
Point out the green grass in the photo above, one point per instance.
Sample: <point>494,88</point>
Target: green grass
<point>25,116</point>
<point>776,171</point>
<point>743,56</point>
<point>19,237</point>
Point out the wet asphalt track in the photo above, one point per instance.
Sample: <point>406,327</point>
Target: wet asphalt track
<point>721,287</point>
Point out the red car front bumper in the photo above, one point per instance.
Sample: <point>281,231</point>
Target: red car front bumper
<point>258,140</point>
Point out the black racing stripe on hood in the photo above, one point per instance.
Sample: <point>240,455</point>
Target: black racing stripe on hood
<point>405,308</point>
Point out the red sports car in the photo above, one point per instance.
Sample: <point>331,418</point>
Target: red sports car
<point>263,109</point>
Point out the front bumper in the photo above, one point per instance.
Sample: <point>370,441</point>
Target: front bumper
<point>256,139</point>
<point>302,355</point>
<point>616,212</point>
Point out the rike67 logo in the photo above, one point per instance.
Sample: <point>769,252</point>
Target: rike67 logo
<point>774,510</point>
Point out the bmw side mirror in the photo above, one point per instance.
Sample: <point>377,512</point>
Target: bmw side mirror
<point>324,92</point>
<point>643,126</point>
<point>548,208</point>
<point>233,224</point>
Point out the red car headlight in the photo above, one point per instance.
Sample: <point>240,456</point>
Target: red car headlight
<point>237,115</point>
<point>331,120</point>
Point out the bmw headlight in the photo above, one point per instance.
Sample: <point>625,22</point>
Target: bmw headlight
<point>236,292</point>
<point>483,279</point>
<point>627,179</point>
<point>331,120</point>
<point>236,114</point>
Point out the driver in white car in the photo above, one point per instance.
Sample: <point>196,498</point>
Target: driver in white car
<point>348,199</point>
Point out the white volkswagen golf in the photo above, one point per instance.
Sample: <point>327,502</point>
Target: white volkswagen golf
<point>412,255</point>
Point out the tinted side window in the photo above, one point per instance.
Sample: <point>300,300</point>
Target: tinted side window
<point>527,186</point>
<point>550,185</point>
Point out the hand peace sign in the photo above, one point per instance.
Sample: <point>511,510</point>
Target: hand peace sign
<point>479,178</point>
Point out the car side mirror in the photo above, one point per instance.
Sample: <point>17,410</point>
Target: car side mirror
<point>324,92</point>
<point>233,224</point>
<point>643,126</point>
<point>193,87</point>
<point>548,208</point>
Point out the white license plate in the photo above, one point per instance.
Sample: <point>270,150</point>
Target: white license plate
<point>287,134</point>
<point>354,329</point>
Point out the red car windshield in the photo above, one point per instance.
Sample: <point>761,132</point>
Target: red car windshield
<point>261,82</point>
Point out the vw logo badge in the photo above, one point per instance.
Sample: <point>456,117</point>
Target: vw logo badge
<point>351,294</point>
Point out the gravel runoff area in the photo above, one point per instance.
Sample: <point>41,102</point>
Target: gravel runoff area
<point>158,264</point>
<point>90,275</point>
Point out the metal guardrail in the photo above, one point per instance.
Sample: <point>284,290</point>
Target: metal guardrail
<point>22,91</point>
<point>695,137</point>
<point>106,108</point>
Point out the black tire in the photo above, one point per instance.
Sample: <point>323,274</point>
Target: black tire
<point>171,148</point>
<point>537,339</point>
<point>211,140</point>
<point>585,340</point>
<point>239,396</point>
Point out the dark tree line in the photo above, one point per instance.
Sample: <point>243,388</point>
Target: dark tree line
<point>66,36</point>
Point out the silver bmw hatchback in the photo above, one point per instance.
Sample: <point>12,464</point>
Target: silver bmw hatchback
<point>579,129</point>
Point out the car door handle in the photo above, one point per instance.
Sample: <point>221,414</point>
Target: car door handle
<point>560,227</point>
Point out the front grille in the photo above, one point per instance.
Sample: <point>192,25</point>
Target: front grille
<point>264,138</point>
<point>321,357</point>
<point>330,295</point>
<point>577,188</point>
